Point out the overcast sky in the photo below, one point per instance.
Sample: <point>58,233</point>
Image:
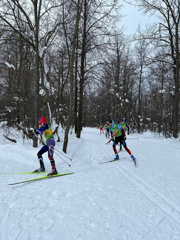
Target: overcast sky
<point>132,18</point>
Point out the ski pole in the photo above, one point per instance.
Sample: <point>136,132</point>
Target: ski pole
<point>55,149</point>
<point>109,140</point>
<point>63,154</point>
<point>47,145</point>
<point>62,159</point>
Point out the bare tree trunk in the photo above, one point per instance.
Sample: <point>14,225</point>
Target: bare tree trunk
<point>37,18</point>
<point>82,77</point>
<point>117,72</point>
<point>72,59</point>
<point>76,95</point>
<point>176,78</point>
<point>139,100</point>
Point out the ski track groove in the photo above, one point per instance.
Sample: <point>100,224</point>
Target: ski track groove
<point>150,192</point>
<point>153,195</point>
<point>78,147</point>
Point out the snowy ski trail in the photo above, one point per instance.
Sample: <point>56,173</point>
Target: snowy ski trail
<point>112,201</point>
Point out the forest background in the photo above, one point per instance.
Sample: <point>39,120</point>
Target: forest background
<point>71,62</point>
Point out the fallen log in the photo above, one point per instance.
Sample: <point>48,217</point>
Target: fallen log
<point>10,139</point>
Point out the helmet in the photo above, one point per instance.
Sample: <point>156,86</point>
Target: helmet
<point>122,120</point>
<point>41,120</point>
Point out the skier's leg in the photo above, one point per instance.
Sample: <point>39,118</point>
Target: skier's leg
<point>39,155</point>
<point>114,148</point>
<point>51,144</point>
<point>127,149</point>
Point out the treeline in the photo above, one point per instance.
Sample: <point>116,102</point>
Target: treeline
<point>66,60</point>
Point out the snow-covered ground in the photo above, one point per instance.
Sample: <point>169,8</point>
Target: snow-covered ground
<point>112,201</point>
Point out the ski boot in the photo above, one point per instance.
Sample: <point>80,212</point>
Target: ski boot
<point>116,157</point>
<point>41,169</point>
<point>53,172</point>
<point>134,159</point>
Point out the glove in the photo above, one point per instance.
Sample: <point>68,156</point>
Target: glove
<point>32,131</point>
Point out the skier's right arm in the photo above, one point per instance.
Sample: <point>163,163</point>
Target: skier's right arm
<point>41,130</point>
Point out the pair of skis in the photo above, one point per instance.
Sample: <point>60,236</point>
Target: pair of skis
<point>50,176</point>
<point>38,178</point>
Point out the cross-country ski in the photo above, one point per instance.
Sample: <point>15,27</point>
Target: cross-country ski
<point>40,178</point>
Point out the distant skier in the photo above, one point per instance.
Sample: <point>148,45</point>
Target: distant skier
<point>110,129</point>
<point>49,147</point>
<point>118,137</point>
<point>106,127</point>
<point>125,126</point>
<point>101,128</point>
